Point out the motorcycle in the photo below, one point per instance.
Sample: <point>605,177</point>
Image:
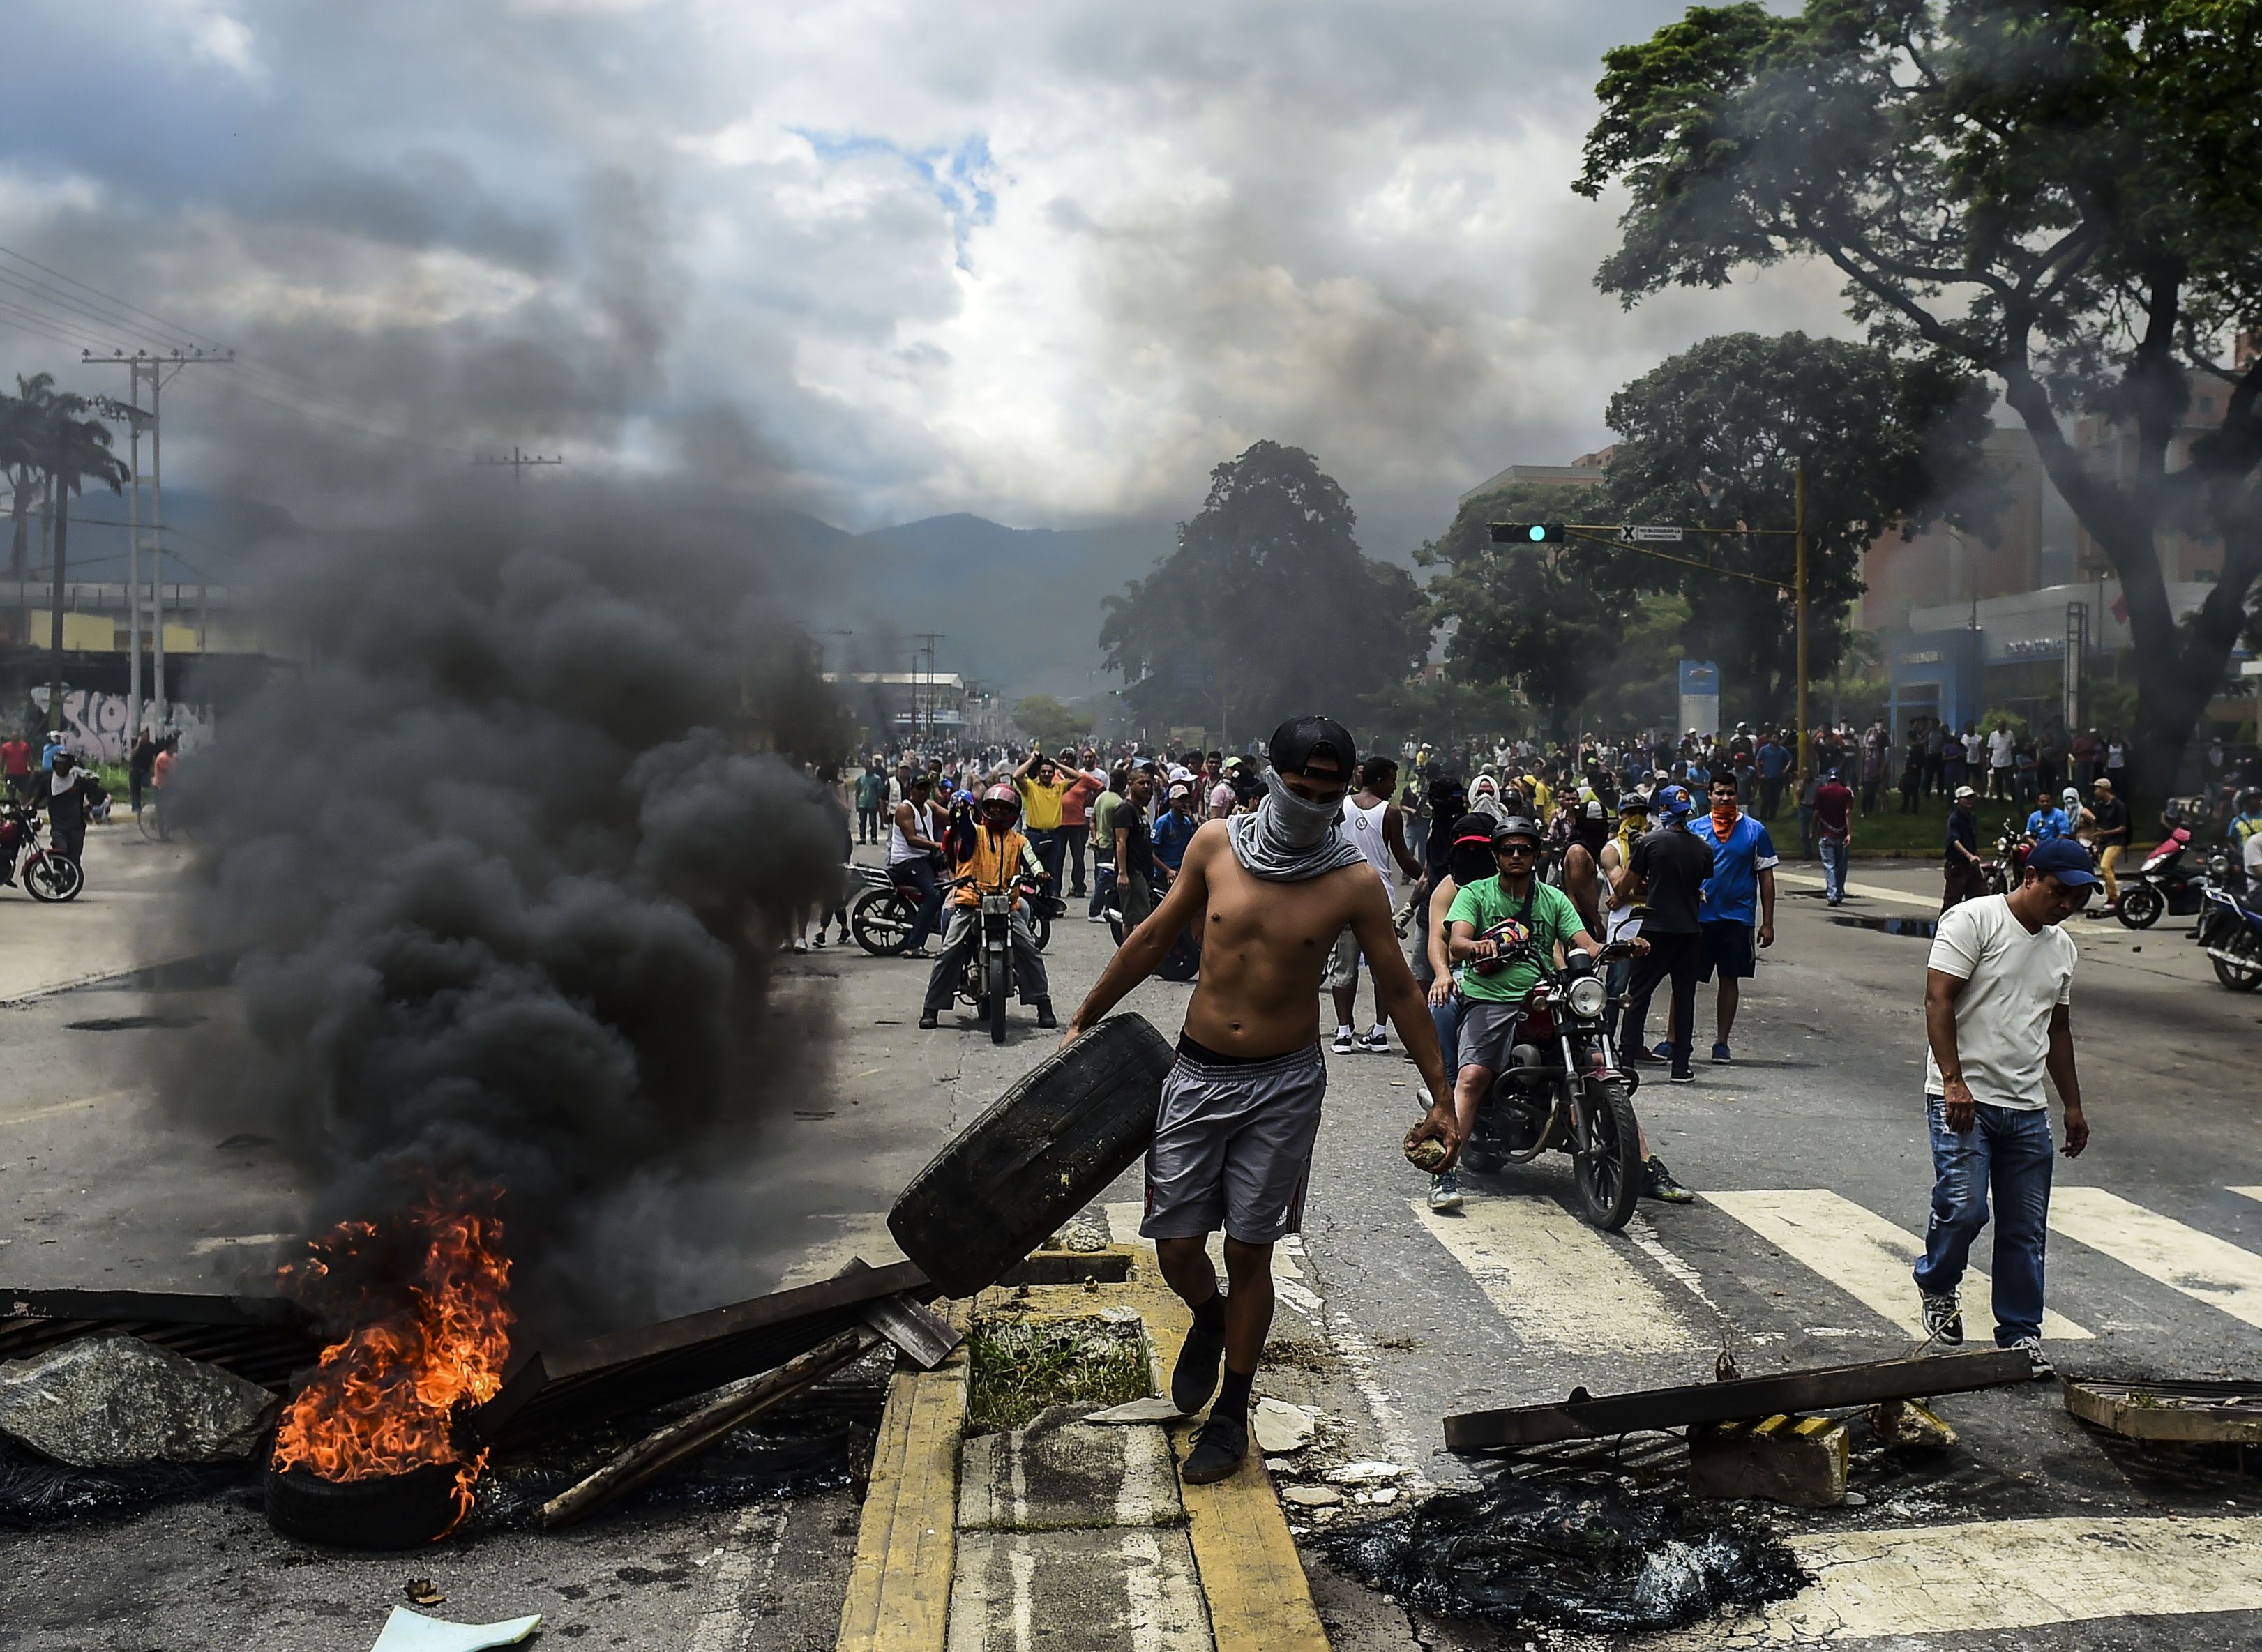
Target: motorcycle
<point>884,911</point>
<point>44,873</point>
<point>2230,932</point>
<point>2168,882</point>
<point>1563,1088</point>
<point>989,980</point>
<point>2002,873</point>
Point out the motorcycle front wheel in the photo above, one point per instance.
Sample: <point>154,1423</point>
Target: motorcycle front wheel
<point>52,876</point>
<point>2141,906</point>
<point>1609,1173</point>
<point>882,921</point>
<point>995,981</point>
<point>1041,925</point>
<point>2243,976</point>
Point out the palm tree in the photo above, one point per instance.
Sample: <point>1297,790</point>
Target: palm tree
<point>21,416</point>
<point>71,452</point>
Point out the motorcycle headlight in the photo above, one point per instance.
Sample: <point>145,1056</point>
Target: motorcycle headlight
<point>1589,998</point>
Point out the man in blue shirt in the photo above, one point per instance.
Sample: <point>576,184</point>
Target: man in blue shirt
<point>1740,890</point>
<point>2047,823</point>
<point>1175,826</point>
<point>1774,763</point>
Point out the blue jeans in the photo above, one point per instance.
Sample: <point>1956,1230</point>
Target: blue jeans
<point>1103,887</point>
<point>1446,1018</point>
<point>921,873</point>
<point>2009,1150</point>
<point>1834,868</point>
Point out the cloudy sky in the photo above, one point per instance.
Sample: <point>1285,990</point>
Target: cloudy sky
<point>1044,262</point>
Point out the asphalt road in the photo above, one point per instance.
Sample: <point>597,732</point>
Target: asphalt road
<point>1809,1150</point>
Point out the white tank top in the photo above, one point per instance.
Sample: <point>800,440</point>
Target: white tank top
<point>898,849</point>
<point>1366,826</point>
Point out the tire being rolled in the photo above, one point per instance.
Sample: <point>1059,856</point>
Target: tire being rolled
<point>394,1511</point>
<point>1042,1152</point>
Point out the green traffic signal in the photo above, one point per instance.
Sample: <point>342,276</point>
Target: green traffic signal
<point>1530,533</point>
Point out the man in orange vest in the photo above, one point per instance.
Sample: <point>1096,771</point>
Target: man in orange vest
<point>999,857</point>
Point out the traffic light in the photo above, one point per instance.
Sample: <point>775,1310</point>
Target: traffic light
<point>1528,532</point>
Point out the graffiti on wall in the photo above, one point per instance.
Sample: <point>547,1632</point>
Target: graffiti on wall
<point>94,725</point>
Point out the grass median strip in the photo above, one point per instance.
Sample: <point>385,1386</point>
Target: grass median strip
<point>1016,1369</point>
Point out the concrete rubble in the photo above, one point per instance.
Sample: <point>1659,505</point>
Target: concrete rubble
<point>104,1402</point>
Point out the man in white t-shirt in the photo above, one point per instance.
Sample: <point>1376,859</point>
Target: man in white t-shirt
<point>1997,1015</point>
<point>2002,748</point>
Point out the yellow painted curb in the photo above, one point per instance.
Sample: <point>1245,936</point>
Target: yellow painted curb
<point>899,1592</point>
<point>907,1541</point>
<point>1260,1599</point>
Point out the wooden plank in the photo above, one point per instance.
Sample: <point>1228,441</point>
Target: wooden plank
<point>1583,1418</point>
<point>898,1597</point>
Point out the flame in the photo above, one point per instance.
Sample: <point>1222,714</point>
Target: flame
<point>428,1301</point>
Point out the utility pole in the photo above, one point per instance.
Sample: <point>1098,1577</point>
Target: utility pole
<point>929,639</point>
<point>153,365</point>
<point>518,463</point>
<point>1805,737</point>
<point>133,413</point>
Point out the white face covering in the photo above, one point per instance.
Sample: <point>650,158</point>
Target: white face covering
<point>1289,838</point>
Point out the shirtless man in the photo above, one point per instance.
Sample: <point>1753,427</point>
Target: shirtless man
<point>1241,1108</point>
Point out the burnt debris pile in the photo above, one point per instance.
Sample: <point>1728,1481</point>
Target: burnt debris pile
<point>1589,1554</point>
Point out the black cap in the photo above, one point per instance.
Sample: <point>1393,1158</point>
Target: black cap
<point>1300,739</point>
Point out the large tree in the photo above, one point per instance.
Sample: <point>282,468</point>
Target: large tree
<point>1267,609</point>
<point>1544,619</point>
<point>1714,437</point>
<point>2066,194</point>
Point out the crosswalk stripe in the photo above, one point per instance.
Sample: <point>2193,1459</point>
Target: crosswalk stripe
<point>1983,1575</point>
<point>2198,1265</point>
<point>2248,1193</point>
<point>1861,1252</point>
<point>1556,1281</point>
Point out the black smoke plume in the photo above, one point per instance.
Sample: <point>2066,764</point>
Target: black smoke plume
<point>505,868</point>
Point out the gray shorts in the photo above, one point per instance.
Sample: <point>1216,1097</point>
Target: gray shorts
<point>1342,963</point>
<point>1488,1030</point>
<point>1233,1148</point>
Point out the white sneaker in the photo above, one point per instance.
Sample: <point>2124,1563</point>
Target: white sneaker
<point>1346,1041</point>
<point>1445,1191</point>
<point>2037,1361</point>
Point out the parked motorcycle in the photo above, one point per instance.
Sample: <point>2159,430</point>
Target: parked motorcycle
<point>2230,932</point>
<point>2169,881</point>
<point>884,909</point>
<point>44,872</point>
<point>1563,1090</point>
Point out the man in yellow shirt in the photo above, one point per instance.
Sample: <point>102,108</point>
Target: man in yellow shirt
<point>1042,786</point>
<point>994,866</point>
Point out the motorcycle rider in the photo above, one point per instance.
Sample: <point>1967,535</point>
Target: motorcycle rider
<point>1493,1004</point>
<point>914,845</point>
<point>999,857</point>
<point>2049,821</point>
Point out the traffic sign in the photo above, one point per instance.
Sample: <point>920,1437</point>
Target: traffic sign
<point>1651,533</point>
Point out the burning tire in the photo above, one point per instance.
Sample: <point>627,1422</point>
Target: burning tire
<point>1041,1153</point>
<point>392,1510</point>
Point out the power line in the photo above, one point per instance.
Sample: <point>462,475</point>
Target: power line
<point>171,327</point>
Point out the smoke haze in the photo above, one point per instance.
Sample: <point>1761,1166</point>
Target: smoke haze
<point>506,869</point>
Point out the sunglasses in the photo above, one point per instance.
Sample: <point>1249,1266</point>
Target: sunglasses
<point>1517,848</point>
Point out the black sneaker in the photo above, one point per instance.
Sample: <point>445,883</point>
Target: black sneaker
<point>928,1020</point>
<point>1681,1075</point>
<point>1657,1183</point>
<point>1194,1378</point>
<point>1045,1016</point>
<point>1218,1450</point>
<point>1943,1317</point>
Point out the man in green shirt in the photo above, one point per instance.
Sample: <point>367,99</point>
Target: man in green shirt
<point>1481,924</point>
<point>1103,844</point>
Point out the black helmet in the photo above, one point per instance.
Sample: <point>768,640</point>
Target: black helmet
<point>1516,826</point>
